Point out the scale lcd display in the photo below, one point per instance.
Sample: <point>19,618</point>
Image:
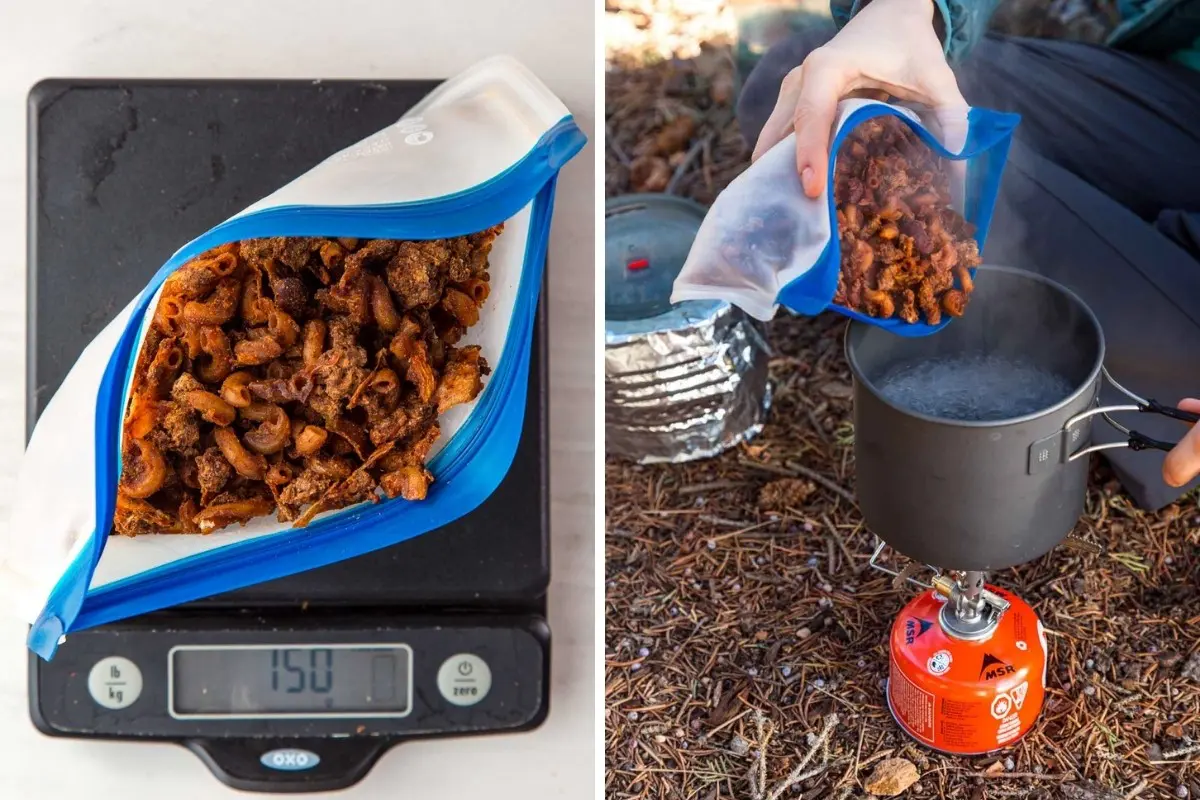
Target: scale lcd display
<point>295,681</point>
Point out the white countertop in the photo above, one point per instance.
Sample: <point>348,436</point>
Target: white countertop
<point>346,39</point>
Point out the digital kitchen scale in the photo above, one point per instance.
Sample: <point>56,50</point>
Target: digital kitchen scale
<point>298,684</point>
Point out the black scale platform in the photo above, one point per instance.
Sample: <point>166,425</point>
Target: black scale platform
<point>123,173</point>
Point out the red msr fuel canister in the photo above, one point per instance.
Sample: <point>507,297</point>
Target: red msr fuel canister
<point>961,689</point>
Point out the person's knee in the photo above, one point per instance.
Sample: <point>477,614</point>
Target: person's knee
<point>761,87</point>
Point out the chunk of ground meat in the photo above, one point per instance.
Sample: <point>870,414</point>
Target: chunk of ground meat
<point>182,429</point>
<point>358,487</point>
<point>416,273</point>
<point>212,473</point>
<point>309,485</point>
<point>340,371</point>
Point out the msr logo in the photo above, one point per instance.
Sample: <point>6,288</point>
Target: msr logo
<point>914,628</point>
<point>994,668</point>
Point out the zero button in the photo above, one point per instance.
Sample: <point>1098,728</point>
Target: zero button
<point>464,679</point>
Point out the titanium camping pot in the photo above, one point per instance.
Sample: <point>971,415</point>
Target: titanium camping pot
<point>986,495</point>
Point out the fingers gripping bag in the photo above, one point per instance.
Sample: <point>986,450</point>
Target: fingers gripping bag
<point>340,367</point>
<point>892,241</point>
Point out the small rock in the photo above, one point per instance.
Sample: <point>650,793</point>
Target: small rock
<point>1009,764</point>
<point>1181,791</point>
<point>1191,669</point>
<point>804,633</point>
<point>660,738</point>
<point>786,671</point>
<point>891,777</point>
<point>643,652</point>
<point>837,390</point>
<point>819,683</point>
<point>635,667</point>
<point>738,745</point>
<point>752,672</point>
<point>712,544</point>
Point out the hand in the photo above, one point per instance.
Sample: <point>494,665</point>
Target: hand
<point>1183,463</point>
<point>888,47</point>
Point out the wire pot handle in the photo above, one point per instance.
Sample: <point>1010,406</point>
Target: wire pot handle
<point>1133,439</point>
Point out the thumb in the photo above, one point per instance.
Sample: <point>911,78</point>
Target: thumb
<point>1183,462</point>
<point>816,109</point>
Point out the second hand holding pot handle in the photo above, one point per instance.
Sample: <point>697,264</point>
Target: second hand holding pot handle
<point>1182,463</point>
<point>1183,459</point>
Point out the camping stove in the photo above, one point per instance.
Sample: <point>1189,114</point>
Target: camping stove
<point>968,663</point>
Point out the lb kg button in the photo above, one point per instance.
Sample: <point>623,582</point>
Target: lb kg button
<point>464,679</point>
<point>115,682</point>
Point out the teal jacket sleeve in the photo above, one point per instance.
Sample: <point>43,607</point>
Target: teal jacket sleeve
<point>964,22</point>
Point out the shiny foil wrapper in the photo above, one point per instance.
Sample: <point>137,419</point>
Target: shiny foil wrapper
<point>684,385</point>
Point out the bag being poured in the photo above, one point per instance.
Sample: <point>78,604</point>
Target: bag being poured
<point>339,367</point>
<point>910,197</point>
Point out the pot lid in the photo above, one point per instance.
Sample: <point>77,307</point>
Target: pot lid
<point>646,241</point>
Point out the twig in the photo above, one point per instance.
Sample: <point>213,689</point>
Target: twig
<point>1137,789</point>
<point>821,479</point>
<point>792,469</point>
<point>616,148</point>
<point>687,162</point>
<point>1182,751</point>
<point>763,732</point>
<point>798,774</point>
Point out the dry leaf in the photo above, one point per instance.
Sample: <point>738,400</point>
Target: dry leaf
<point>649,174</point>
<point>891,777</point>
<point>674,136</point>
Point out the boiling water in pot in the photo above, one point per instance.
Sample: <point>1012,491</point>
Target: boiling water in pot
<point>975,388</point>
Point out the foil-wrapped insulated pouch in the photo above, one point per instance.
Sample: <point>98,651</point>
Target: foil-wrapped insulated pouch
<point>764,243</point>
<point>683,381</point>
<point>484,148</point>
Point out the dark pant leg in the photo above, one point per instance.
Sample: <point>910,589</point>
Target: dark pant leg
<point>1143,287</point>
<point>1130,126</point>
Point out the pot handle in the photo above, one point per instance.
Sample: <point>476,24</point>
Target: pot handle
<point>1133,439</point>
